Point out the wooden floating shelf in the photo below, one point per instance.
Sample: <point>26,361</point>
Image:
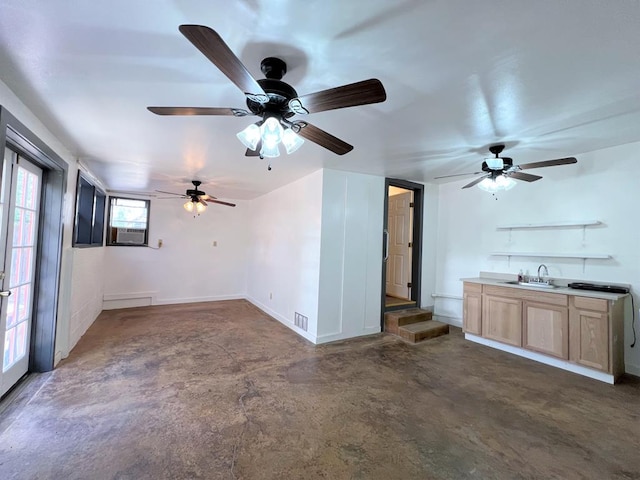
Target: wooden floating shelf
<point>583,256</point>
<point>520,226</point>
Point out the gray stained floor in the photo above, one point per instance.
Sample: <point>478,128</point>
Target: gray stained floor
<point>221,391</point>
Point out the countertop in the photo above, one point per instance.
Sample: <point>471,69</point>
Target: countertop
<point>562,290</point>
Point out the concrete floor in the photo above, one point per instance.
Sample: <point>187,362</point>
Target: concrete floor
<point>221,391</point>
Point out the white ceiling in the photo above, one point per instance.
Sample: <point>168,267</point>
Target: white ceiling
<point>549,78</point>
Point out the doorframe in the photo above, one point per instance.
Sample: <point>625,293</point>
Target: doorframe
<point>416,249</point>
<point>18,137</point>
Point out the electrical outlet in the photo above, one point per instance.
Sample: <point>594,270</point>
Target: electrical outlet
<point>159,243</point>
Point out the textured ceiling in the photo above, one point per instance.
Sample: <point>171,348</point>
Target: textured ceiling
<point>548,78</point>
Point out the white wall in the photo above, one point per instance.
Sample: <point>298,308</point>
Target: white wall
<point>284,253</point>
<point>602,186</point>
<point>351,255</point>
<point>188,267</point>
<point>77,307</point>
<point>429,245</point>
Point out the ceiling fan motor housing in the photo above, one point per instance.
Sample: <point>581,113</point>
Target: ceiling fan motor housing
<point>279,92</point>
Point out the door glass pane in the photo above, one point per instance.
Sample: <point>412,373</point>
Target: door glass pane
<point>9,348</point>
<point>24,302</point>
<point>12,318</point>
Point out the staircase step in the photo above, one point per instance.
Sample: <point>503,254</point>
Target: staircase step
<point>397,318</point>
<point>416,332</point>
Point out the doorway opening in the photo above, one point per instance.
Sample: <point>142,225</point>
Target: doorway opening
<point>402,245</point>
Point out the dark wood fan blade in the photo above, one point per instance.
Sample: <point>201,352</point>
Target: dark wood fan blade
<point>359,93</point>
<point>237,112</point>
<point>213,47</point>
<point>222,203</point>
<point>458,175</point>
<point>324,139</point>
<point>166,198</point>
<point>254,153</point>
<point>475,182</point>
<point>548,163</point>
<point>208,198</point>
<point>171,193</point>
<point>527,177</point>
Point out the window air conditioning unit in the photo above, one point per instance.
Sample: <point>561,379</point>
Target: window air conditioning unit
<point>131,236</point>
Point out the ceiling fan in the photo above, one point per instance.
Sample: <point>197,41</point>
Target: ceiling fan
<point>498,173</point>
<point>274,100</point>
<point>197,200</point>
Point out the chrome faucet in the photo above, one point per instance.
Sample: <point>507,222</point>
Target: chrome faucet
<point>546,271</point>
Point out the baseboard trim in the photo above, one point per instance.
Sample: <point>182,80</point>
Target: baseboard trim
<point>334,337</point>
<point>632,369</point>
<point>286,322</point>
<point>215,298</point>
<point>454,321</point>
<point>553,362</point>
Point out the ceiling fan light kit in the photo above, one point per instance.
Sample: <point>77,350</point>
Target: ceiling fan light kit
<point>197,200</point>
<point>274,100</point>
<point>498,173</point>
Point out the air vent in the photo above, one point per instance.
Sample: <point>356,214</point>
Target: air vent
<point>131,236</point>
<point>301,321</point>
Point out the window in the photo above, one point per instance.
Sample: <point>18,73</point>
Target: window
<point>128,222</point>
<point>90,207</point>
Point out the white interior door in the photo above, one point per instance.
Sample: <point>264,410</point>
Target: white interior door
<point>399,261</point>
<point>19,212</point>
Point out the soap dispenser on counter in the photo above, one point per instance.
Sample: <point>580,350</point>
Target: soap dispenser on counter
<point>520,276</point>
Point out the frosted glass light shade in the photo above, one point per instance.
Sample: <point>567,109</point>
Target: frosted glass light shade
<point>501,182</point>
<point>250,136</point>
<point>291,140</point>
<point>200,207</point>
<point>188,206</point>
<point>495,163</point>
<point>269,151</point>
<point>271,133</point>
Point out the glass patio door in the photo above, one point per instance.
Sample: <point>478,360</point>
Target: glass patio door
<point>19,215</point>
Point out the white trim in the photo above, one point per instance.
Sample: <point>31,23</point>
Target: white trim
<point>554,362</point>
<point>215,298</point>
<point>446,295</point>
<point>128,296</point>
<point>334,337</point>
<point>632,369</point>
<point>286,322</point>
<point>455,321</point>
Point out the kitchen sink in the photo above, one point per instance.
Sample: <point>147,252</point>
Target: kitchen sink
<point>532,284</point>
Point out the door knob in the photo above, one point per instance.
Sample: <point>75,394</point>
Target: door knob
<point>5,293</point>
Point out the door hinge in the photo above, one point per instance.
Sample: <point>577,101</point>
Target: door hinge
<point>410,244</point>
<point>411,205</point>
<point>409,285</point>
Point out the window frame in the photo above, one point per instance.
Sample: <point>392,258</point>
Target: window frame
<point>88,225</point>
<point>112,232</point>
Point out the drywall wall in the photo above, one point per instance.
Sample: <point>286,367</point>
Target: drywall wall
<point>76,312</point>
<point>188,267</point>
<point>284,252</point>
<point>602,186</point>
<point>351,255</point>
<point>429,245</point>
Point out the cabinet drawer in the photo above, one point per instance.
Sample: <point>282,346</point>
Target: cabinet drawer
<point>472,287</point>
<point>558,299</point>
<point>587,303</point>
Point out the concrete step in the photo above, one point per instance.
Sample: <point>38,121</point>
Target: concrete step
<point>416,332</point>
<point>397,318</point>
